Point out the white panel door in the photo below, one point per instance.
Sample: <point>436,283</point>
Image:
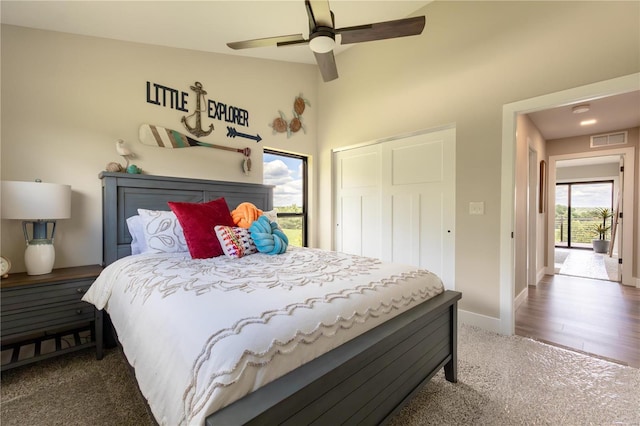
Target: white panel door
<point>396,201</point>
<point>357,180</point>
<point>418,202</point>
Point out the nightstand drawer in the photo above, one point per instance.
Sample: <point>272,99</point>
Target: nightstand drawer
<point>38,308</point>
<point>49,317</point>
<point>43,294</point>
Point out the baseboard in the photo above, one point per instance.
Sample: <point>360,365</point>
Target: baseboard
<point>541,273</point>
<point>520,298</point>
<point>633,282</point>
<point>478,320</point>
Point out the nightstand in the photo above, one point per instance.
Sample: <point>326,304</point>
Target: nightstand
<point>40,308</point>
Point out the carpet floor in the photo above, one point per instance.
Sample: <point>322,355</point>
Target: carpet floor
<point>503,380</point>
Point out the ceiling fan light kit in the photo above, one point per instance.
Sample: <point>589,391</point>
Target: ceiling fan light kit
<point>322,41</point>
<point>322,35</point>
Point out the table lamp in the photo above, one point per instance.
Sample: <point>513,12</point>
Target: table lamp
<point>39,204</point>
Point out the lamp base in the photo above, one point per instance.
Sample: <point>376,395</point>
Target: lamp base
<point>39,257</point>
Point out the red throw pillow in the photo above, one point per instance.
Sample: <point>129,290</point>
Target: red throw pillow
<point>198,221</point>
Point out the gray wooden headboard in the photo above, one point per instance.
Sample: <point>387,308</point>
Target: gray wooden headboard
<point>123,194</point>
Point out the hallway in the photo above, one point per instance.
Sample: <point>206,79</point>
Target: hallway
<point>597,317</point>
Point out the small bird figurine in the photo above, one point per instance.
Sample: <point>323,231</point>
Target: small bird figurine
<point>124,152</point>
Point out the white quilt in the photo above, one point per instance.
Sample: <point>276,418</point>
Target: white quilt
<point>202,333</point>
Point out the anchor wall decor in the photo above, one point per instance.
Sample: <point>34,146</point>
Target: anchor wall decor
<point>197,130</point>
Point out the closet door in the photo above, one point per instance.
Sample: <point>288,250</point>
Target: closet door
<point>396,201</point>
<point>418,201</point>
<point>357,194</point>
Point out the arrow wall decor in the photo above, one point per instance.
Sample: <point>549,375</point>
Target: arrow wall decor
<point>232,133</point>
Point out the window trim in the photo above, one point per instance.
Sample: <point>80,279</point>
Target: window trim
<point>305,191</point>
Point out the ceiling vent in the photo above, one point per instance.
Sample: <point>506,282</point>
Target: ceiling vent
<point>618,138</point>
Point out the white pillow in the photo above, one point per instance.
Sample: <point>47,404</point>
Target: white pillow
<point>272,215</point>
<point>136,229</point>
<point>162,232</point>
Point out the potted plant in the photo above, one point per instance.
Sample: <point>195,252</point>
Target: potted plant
<point>601,244</point>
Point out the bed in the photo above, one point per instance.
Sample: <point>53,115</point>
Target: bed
<point>377,364</point>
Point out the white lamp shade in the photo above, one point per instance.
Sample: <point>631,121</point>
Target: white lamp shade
<point>35,200</point>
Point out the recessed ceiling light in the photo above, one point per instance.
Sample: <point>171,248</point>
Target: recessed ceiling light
<point>588,122</point>
<point>579,109</point>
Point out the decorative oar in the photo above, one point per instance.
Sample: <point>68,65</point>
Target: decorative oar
<point>167,138</point>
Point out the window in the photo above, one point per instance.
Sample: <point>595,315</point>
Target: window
<point>288,173</point>
<point>577,206</point>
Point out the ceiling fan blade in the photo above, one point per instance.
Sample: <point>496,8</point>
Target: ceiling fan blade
<point>268,41</point>
<point>319,13</point>
<point>327,64</point>
<point>293,42</point>
<point>382,30</point>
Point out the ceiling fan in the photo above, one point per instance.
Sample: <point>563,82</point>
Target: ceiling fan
<point>322,35</point>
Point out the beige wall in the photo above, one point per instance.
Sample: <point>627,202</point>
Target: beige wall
<point>473,58</point>
<point>578,144</point>
<point>528,137</point>
<point>591,172</point>
<point>66,99</point>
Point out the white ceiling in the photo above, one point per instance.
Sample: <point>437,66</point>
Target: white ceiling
<point>200,25</point>
<point>209,25</point>
<point>611,113</point>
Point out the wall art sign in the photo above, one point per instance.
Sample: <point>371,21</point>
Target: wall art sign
<point>168,97</point>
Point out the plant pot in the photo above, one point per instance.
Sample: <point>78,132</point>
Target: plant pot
<point>600,246</point>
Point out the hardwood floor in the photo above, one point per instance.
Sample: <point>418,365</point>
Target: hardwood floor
<point>597,317</point>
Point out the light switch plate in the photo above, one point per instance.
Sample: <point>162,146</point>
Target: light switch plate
<point>476,207</point>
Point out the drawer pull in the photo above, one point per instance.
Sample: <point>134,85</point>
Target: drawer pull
<point>81,290</point>
<point>79,311</point>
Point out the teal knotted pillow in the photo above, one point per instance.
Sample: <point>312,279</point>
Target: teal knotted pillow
<point>268,237</point>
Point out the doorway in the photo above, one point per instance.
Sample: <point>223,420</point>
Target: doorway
<point>583,226</point>
<point>588,194</point>
<point>578,208</point>
<point>620,85</point>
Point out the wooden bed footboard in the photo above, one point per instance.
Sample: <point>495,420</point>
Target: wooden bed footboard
<point>366,380</point>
